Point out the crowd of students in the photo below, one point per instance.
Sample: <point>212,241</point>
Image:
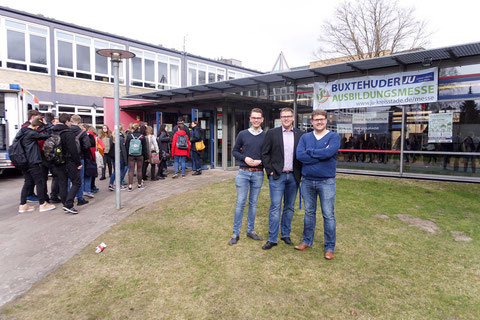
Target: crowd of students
<point>73,153</point>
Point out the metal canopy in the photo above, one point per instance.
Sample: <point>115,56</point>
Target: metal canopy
<point>448,56</point>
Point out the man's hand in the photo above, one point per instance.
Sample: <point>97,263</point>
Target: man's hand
<point>79,167</point>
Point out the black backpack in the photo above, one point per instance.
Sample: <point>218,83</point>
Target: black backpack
<point>52,149</point>
<point>17,155</point>
<point>182,142</point>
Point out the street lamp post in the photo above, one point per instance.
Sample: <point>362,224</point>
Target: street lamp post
<point>116,57</point>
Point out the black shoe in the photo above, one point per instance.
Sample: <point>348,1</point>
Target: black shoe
<point>288,241</point>
<point>253,235</point>
<point>269,245</point>
<point>81,202</point>
<point>234,240</point>
<point>55,200</point>
<point>71,210</point>
<point>160,178</point>
<point>197,173</point>
<point>103,178</point>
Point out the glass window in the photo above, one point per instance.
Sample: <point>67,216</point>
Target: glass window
<point>16,45</point>
<point>65,54</point>
<point>174,75</point>
<point>220,77</point>
<point>83,58</point>
<point>202,77</point>
<point>38,49</point>
<point>149,70</point>
<point>101,64</point>
<point>192,77</point>
<point>137,68</point>
<point>211,77</point>
<point>162,72</point>
<point>16,25</point>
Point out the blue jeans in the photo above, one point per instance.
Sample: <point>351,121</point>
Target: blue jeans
<point>325,189</point>
<point>284,187</point>
<point>123,170</point>
<point>244,181</point>
<point>182,162</point>
<point>87,184</point>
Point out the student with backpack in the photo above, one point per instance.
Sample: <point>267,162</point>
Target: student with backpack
<point>27,138</point>
<point>82,142</point>
<point>180,149</point>
<point>67,163</point>
<point>136,146</point>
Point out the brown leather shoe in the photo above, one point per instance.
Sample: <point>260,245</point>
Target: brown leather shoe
<point>302,247</point>
<point>329,255</point>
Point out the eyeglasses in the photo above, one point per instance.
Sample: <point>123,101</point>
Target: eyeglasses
<point>318,120</point>
<point>286,117</point>
<point>256,118</point>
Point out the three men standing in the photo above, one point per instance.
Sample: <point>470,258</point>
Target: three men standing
<point>284,174</point>
<point>317,151</point>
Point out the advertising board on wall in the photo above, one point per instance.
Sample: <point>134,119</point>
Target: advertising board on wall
<point>440,127</point>
<point>368,122</point>
<point>393,89</point>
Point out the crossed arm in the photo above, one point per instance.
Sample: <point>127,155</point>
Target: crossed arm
<point>310,155</point>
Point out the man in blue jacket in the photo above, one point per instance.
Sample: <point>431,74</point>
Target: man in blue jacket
<point>317,150</point>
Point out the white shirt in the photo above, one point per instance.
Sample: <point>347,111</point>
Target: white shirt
<point>318,137</point>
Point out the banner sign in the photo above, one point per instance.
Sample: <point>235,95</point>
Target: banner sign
<point>372,91</point>
<point>440,127</point>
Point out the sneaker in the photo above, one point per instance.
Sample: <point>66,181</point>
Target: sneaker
<point>123,187</point>
<point>197,173</point>
<point>32,199</point>
<point>234,240</point>
<point>46,207</point>
<point>183,176</point>
<point>102,178</point>
<point>141,186</point>
<point>110,187</point>
<point>25,208</point>
<point>95,190</point>
<point>89,194</point>
<point>175,176</point>
<point>130,188</point>
<point>71,210</point>
<point>81,202</point>
<point>253,235</point>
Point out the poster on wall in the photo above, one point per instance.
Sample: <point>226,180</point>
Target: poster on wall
<point>440,127</point>
<point>393,89</point>
<point>344,128</point>
<point>370,122</point>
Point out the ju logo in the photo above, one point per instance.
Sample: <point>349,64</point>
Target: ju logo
<point>323,95</point>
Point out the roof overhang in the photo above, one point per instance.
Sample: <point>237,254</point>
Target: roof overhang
<point>445,57</point>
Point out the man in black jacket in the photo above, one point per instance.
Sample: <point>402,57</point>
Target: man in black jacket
<point>284,172</point>
<point>83,148</point>
<point>73,165</point>
<point>33,173</point>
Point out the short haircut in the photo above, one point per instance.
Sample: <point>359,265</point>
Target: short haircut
<point>76,119</point>
<point>49,116</point>
<point>181,126</point>
<point>257,110</point>
<point>287,109</point>
<point>64,117</point>
<point>36,122</point>
<point>319,112</point>
<point>33,113</point>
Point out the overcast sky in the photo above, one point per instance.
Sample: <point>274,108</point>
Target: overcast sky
<point>253,31</point>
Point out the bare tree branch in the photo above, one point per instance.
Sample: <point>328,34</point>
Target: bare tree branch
<point>371,28</point>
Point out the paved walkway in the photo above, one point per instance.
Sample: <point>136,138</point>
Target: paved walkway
<point>34,244</point>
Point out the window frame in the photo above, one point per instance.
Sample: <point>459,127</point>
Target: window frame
<point>27,32</point>
<point>93,47</point>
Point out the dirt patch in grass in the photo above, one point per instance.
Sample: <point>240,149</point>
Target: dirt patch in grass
<point>426,225</point>
<point>460,236</point>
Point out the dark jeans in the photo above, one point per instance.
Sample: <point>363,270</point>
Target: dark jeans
<point>161,166</point>
<point>64,173</point>
<point>196,163</point>
<point>132,160</point>
<point>107,161</point>
<point>34,177</point>
<point>54,187</point>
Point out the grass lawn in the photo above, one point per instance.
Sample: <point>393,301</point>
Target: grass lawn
<point>172,261</point>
